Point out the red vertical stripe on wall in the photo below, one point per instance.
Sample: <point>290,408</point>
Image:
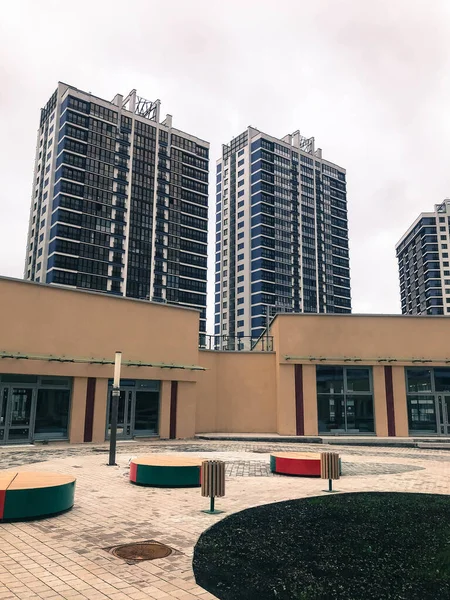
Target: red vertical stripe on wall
<point>299,407</point>
<point>389,400</point>
<point>173,410</point>
<point>89,414</point>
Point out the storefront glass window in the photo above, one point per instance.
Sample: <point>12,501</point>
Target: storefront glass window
<point>345,399</point>
<point>52,413</point>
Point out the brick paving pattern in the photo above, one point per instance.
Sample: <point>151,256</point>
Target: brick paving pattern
<point>66,557</point>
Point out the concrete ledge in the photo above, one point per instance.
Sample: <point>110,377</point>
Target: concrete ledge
<point>392,442</point>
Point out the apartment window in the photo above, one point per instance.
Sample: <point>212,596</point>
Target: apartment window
<point>224,326</point>
<point>240,268</point>
<point>225,252</point>
<point>40,252</point>
<point>443,237</point>
<point>225,272</point>
<point>441,219</point>
<point>442,228</point>
<point>46,182</point>
<point>241,235</point>
<point>225,221</point>
<point>241,246</point>
<point>225,263</point>
<point>240,301</point>
<point>224,304</point>
<point>240,323</point>
<point>240,257</point>
<point>241,162</point>
<point>41,237</point>
<point>224,315</point>
<point>240,183</point>
<point>225,212</point>
<point>241,173</point>
<point>240,278</point>
<point>241,193</point>
<point>240,311</point>
<point>225,232</point>
<point>444,246</point>
<point>240,289</point>
<point>38,266</point>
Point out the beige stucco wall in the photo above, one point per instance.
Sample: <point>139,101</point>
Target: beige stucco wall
<point>379,398</point>
<point>400,408</point>
<point>101,397</point>
<point>78,410</point>
<point>310,400</point>
<point>42,319</point>
<point>164,410</point>
<point>238,393</point>
<point>187,397</point>
<point>206,404</point>
<point>362,336</point>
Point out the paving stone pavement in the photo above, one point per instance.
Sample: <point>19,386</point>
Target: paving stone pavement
<point>65,557</point>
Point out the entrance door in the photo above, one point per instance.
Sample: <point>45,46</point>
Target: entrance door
<point>146,413</point>
<point>124,417</point>
<point>444,415</point>
<point>15,414</point>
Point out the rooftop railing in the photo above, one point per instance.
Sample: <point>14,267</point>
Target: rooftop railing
<point>244,343</point>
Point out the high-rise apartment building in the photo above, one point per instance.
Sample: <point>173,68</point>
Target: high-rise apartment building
<point>281,233</point>
<point>424,265</point>
<point>120,201</point>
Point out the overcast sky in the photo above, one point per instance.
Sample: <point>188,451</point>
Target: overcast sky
<point>368,79</point>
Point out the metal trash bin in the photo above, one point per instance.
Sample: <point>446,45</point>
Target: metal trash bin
<point>329,468</point>
<point>213,482</point>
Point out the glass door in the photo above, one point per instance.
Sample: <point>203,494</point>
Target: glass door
<point>124,417</point>
<point>146,413</point>
<point>15,414</point>
<point>444,414</point>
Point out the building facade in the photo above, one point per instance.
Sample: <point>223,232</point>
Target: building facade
<point>327,375</point>
<point>119,202</point>
<point>424,264</point>
<point>281,233</point>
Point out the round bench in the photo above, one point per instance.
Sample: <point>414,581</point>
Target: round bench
<point>296,463</point>
<point>34,494</point>
<point>166,471</point>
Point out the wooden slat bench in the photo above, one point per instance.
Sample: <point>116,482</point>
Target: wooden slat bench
<point>166,471</point>
<point>28,495</point>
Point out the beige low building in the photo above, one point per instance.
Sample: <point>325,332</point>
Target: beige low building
<point>325,374</point>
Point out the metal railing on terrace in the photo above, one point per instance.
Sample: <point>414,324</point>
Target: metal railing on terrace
<point>230,343</point>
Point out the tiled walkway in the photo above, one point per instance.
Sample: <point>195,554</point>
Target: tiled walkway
<point>65,557</point>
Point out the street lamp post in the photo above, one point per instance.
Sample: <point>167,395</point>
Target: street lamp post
<point>115,409</point>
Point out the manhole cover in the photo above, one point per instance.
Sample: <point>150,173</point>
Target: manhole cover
<point>141,551</point>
